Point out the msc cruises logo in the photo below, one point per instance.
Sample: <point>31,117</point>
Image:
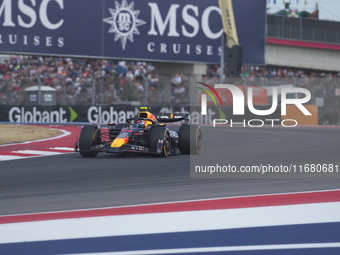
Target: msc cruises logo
<point>124,22</point>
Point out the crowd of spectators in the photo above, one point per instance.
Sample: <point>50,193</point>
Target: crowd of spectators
<point>88,81</point>
<point>320,84</point>
<point>266,76</point>
<point>78,81</point>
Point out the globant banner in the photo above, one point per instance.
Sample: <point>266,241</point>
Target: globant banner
<point>176,31</point>
<point>120,113</point>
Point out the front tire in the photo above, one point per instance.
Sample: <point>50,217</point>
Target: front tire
<point>190,139</point>
<point>161,133</point>
<point>89,136</point>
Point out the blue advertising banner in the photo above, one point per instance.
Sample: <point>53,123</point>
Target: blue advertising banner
<point>175,31</point>
<point>120,113</point>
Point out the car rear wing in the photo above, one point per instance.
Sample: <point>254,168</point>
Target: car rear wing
<point>172,117</point>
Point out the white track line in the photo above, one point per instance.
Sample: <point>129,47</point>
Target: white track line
<point>35,152</point>
<point>219,249</point>
<point>5,158</point>
<point>62,148</point>
<point>156,223</point>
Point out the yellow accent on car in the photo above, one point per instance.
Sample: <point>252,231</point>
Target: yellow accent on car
<point>118,142</point>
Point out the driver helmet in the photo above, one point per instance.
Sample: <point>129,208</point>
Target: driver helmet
<point>140,124</point>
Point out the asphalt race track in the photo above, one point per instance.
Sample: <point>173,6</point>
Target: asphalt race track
<point>70,182</point>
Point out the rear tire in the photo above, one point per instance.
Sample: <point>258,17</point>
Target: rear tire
<point>190,139</point>
<point>89,136</point>
<point>157,133</point>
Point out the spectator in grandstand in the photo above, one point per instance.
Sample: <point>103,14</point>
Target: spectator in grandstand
<point>69,76</point>
<point>180,94</point>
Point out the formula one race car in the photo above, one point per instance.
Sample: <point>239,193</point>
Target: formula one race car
<point>144,133</point>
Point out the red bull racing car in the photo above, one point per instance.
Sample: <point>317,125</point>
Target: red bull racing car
<point>145,133</point>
